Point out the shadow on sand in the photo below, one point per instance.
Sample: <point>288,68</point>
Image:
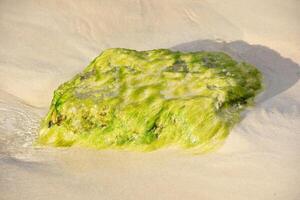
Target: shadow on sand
<point>279,73</point>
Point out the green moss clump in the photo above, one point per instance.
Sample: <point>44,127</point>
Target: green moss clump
<point>143,100</point>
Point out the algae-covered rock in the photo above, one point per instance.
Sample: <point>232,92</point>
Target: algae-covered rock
<point>143,100</point>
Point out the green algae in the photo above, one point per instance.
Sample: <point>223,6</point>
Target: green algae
<point>144,100</point>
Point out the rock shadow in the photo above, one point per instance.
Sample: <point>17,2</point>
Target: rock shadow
<point>279,73</point>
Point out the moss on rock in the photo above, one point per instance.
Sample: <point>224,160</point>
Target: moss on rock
<point>143,100</point>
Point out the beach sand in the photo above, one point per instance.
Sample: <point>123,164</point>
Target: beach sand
<point>45,43</point>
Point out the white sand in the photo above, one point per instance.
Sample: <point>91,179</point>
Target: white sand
<point>44,43</point>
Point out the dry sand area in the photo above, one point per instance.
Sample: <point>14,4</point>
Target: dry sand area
<point>44,43</point>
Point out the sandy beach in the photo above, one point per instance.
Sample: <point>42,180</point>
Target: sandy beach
<point>45,43</point>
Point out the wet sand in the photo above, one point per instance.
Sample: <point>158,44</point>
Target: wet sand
<point>44,43</point>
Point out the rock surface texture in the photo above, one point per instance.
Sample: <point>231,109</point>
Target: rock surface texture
<point>143,100</point>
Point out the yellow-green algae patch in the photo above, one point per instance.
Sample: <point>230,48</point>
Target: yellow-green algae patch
<point>144,100</point>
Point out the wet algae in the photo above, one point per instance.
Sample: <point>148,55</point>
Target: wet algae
<point>144,100</point>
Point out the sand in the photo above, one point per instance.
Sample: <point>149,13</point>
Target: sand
<point>44,43</point>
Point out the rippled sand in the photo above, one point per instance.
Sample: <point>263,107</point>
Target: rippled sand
<point>44,43</point>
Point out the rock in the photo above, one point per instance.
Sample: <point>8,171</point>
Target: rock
<point>143,100</point>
